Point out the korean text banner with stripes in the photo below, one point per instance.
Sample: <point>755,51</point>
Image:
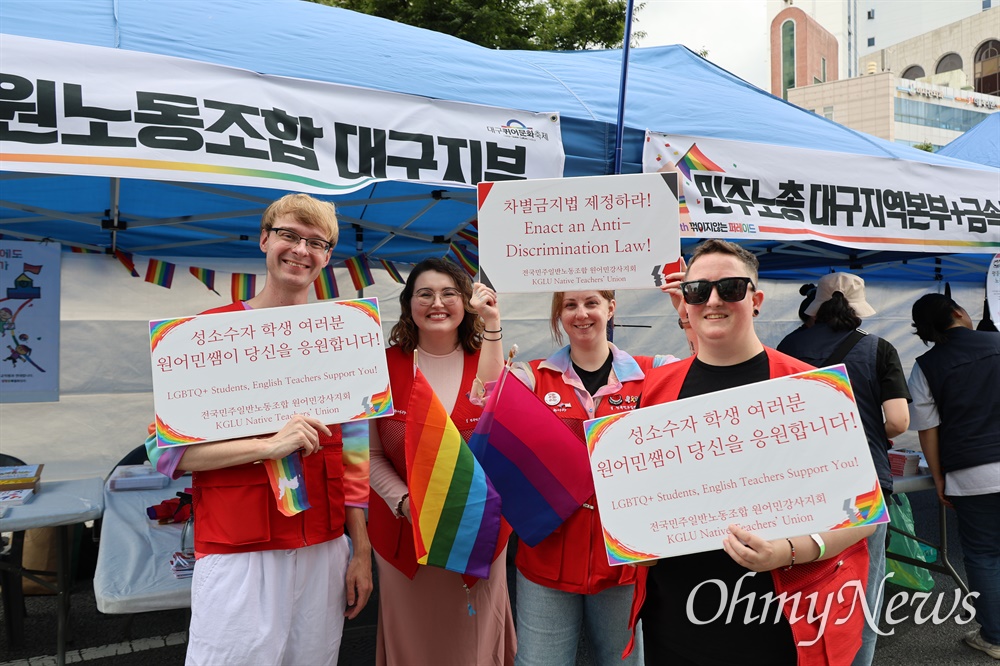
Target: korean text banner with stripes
<point>88,110</point>
<point>734,189</point>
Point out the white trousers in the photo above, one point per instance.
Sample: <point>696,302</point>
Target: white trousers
<point>269,607</point>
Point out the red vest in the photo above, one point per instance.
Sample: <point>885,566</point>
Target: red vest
<point>839,643</point>
<point>574,558</point>
<point>392,537</point>
<point>236,511</point>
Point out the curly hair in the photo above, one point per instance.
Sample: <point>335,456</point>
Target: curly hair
<point>933,314</point>
<point>557,304</point>
<point>838,314</point>
<point>405,333</point>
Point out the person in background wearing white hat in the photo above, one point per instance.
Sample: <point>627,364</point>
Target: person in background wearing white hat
<point>879,387</point>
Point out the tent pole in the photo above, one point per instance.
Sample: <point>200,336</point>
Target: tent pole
<point>115,197</point>
<point>620,129</point>
<point>359,244</point>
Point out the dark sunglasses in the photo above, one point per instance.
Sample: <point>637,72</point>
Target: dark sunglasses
<point>731,290</point>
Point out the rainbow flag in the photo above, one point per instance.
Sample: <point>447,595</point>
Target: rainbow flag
<point>326,284</point>
<point>82,250</point>
<point>205,276</point>
<point>126,259</point>
<point>539,467</point>
<point>361,274</point>
<point>288,483</point>
<point>160,273</point>
<point>244,286</point>
<point>695,160</point>
<point>682,205</point>
<point>467,259</point>
<point>456,511</point>
<point>470,233</point>
<point>393,272</point>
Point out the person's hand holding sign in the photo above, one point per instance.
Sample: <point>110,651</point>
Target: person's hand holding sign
<point>299,433</point>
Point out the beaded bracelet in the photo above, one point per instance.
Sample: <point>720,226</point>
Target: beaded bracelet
<point>792,546</point>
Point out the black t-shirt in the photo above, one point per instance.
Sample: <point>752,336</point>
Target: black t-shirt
<point>669,636</point>
<point>594,380</point>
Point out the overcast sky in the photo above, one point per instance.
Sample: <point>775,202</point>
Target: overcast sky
<point>735,32</point>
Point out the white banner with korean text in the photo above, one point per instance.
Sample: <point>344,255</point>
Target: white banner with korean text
<point>739,190</point>
<point>780,458</point>
<point>89,110</point>
<point>29,321</point>
<point>239,374</point>
<point>569,234</point>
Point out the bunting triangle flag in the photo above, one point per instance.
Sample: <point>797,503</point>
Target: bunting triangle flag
<point>82,250</point>
<point>288,482</point>
<point>160,273</point>
<point>455,509</point>
<point>244,286</point>
<point>126,259</point>
<point>467,259</point>
<point>205,276</point>
<point>695,160</point>
<point>536,463</point>
<point>470,233</point>
<point>393,272</point>
<point>326,285</point>
<point>361,274</point>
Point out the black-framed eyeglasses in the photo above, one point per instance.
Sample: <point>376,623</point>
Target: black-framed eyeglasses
<point>730,289</point>
<point>292,238</point>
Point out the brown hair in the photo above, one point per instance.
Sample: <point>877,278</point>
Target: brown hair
<point>557,304</point>
<point>405,333</point>
<point>307,210</point>
<point>718,246</point>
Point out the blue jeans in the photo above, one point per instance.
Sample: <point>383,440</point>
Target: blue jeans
<point>873,593</point>
<point>979,532</point>
<point>549,621</point>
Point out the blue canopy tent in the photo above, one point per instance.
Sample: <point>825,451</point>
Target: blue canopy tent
<point>669,89</point>
<point>981,144</point>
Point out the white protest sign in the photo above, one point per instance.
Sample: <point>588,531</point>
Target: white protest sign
<point>597,232</point>
<point>239,374</point>
<point>993,290</point>
<point>780,458</point>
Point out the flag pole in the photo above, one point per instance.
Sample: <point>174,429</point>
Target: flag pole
<point>620,129</point>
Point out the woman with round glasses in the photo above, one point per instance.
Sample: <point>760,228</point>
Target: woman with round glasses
<point>428,615</point>
<point>722,300</point>
<point>565,583</point>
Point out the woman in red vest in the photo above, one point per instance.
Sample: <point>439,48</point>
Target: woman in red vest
<point>565,582</point>
<point>429,615</point>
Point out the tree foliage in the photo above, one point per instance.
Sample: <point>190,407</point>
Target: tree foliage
<point>510,24</point>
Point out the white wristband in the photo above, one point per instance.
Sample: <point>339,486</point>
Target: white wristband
<point>822,545</point>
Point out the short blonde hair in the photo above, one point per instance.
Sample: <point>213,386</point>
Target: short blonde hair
<point>307,210</point>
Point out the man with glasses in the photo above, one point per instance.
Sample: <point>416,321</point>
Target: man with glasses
<point>270,588</point>
<point>721,298</point>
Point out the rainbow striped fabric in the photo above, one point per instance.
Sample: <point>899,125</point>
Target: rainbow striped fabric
<point>455,509</point>
<point>326,284</point>
<point>127,262</point>
<point>244,286</point>
<point>160,273</point>
<point>361,274</point>
<point>82,250</point>
<point>695,160</point>
<point>288,483</point>
<point>466,258</point>
<point>470,233</point>
<point>539,467</point>
<point>205,276</point>
<point>393,272</point>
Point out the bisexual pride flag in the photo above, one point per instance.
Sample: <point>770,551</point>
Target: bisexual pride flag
<point>288,483</point>
<point>539,467</point>
<point>695,160</point>
<point>160,273</point>
<point>456,511</point>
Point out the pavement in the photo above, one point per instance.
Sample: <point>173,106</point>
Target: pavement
<point>158,639</point>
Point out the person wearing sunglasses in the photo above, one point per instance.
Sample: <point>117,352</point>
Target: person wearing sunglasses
<point>564,583</point>
<point>271,588</point>
<point>427,614</point>
<point>879,386</point>
<point>722,298</point>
